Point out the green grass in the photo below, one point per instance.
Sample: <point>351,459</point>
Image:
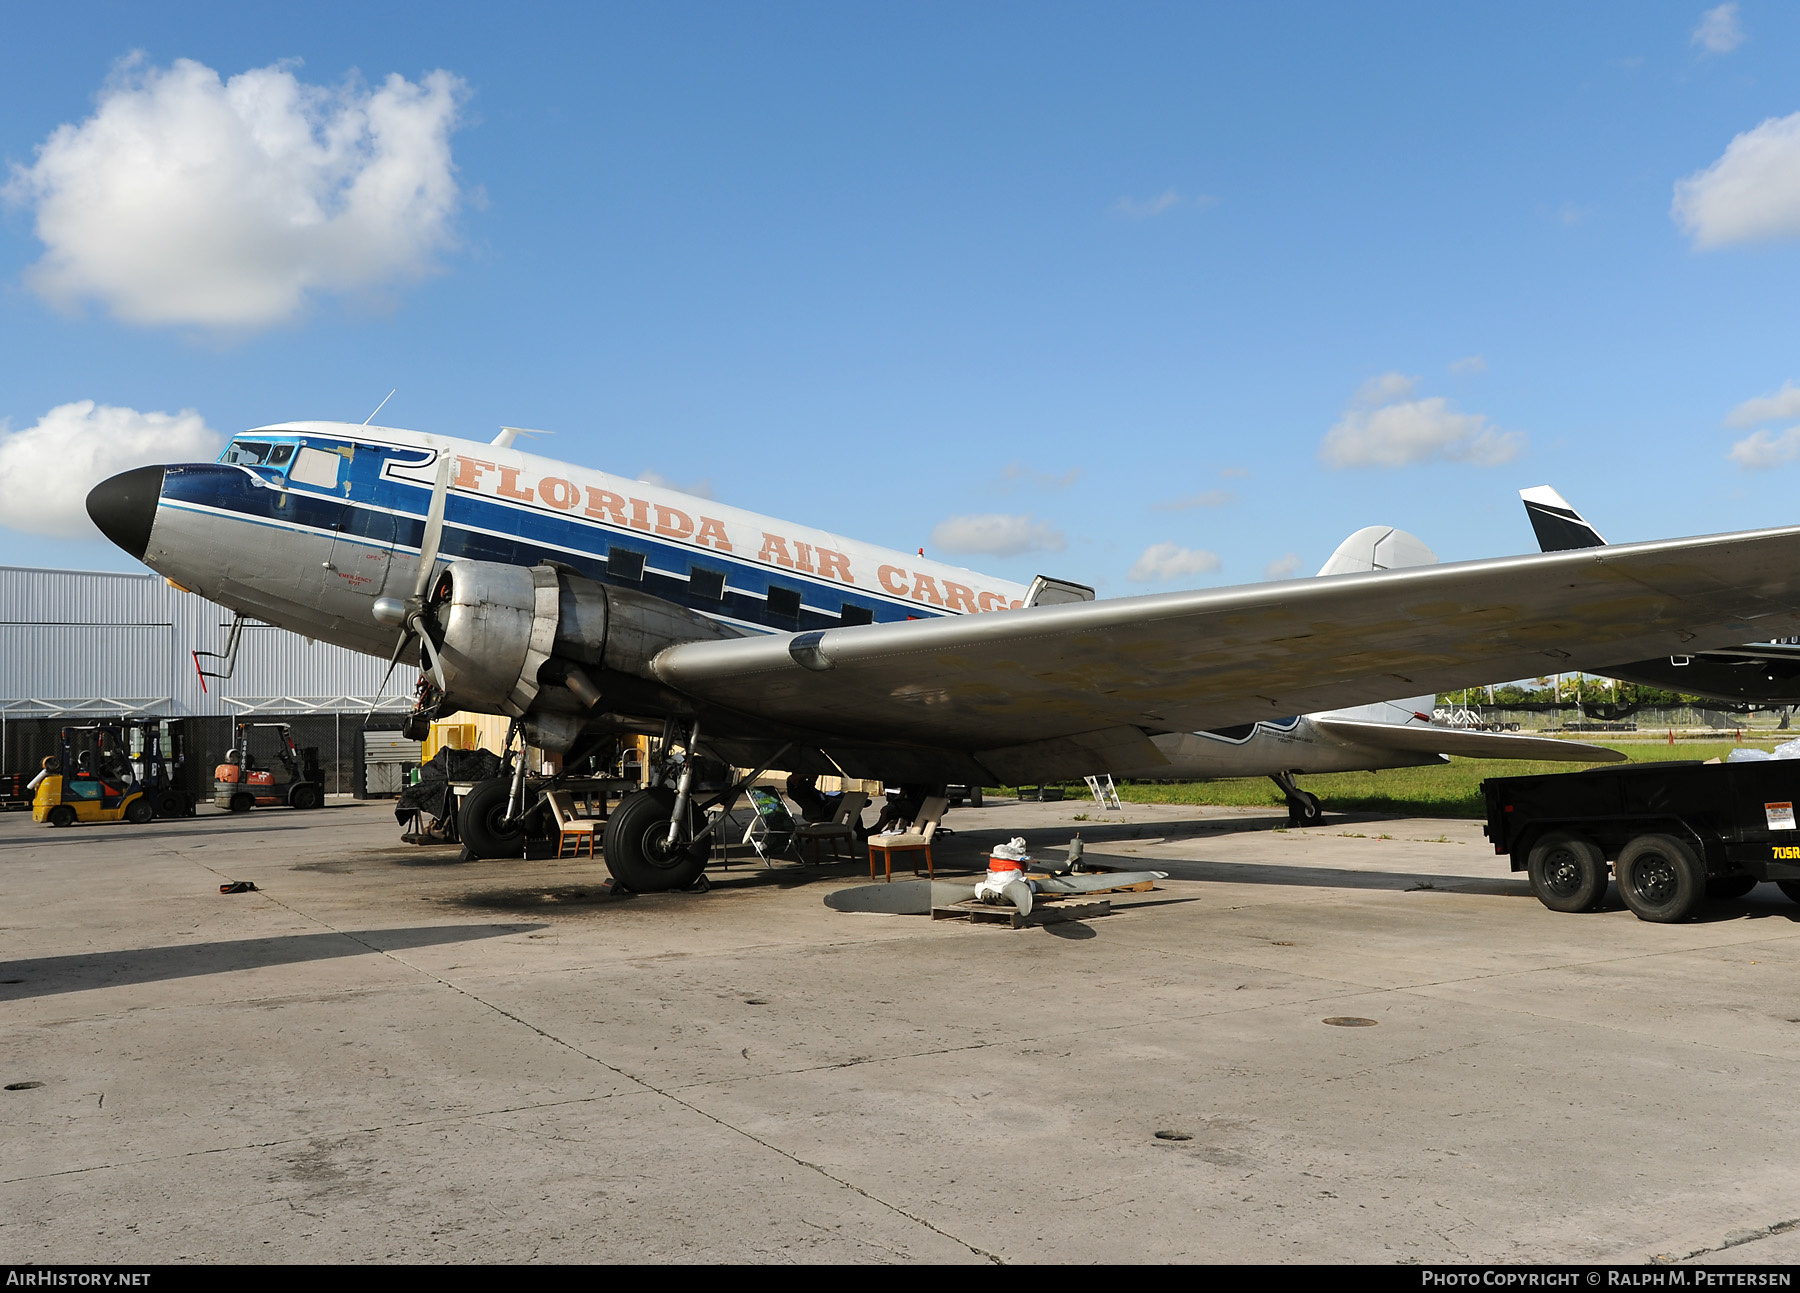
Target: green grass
<point>1448,790</point>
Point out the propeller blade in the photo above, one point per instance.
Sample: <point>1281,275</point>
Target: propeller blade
<point>1020,893</point>
<point>434,529</point>
<point>417,625</point>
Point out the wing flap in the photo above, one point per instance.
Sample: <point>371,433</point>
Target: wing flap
<point>1423,739</point>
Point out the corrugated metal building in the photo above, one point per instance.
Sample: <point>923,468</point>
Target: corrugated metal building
<point>80,643</point>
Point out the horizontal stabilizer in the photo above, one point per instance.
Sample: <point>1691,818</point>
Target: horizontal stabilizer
<point>1424,738</point>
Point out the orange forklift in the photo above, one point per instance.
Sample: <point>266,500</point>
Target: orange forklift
<point>242,782</point>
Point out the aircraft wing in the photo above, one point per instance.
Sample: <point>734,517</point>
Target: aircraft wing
<point>1095,677</point>
<point>1433,739</point>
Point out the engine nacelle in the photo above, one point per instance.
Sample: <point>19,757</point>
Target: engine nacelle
<point>501,625</point>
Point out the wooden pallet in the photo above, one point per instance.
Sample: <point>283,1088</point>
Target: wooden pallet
<point>1051,913</point>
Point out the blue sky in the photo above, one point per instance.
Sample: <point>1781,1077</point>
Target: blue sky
<point>1112,275</point>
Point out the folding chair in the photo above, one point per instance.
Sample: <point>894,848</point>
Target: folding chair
<point>569,827</point>
<point>771,829</point>
<point>840,829</point>
<point>914,839</point>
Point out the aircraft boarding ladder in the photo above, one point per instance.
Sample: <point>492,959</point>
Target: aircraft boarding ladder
<point>1105,793</point>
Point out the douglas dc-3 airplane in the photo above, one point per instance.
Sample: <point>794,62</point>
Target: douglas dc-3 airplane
<point>585,605</point>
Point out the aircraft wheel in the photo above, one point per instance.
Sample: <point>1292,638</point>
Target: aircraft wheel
<point>242,803</point>
<point>139,811</point>
<point>61,815</point>
<point>305,795</point>
<point>1730,886</point>
<point>637,850</point>
<point>1305,810</point>
<point>1660,879</point>
<point>1567,872</point>
<point>480,822</point>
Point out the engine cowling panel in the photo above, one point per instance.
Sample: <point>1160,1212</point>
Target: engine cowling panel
<point>498,626</point>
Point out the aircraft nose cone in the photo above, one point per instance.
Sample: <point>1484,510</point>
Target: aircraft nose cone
<point>124,507</point>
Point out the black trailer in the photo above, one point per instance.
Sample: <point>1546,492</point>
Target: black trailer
<point>1675,833</point>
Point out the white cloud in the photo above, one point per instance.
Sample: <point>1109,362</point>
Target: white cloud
<point>1282,567</point>
<point>1765,450</point>
<point>1384,428</point>
<point>1750,194</point>
<point>1164,561</point>
<point>1783,404</point>
<point>1161,204</point>
<point>1205,498</point>
<point>1719,32</point>
<point>184,200</point>
<point>47,470</point>
<point>996,534</point>
<point>1469,367</point>
<point>702,488</point>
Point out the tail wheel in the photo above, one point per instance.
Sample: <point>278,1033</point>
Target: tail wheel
<point>1660,878</point>
<point>61,815</point>
<point>637,845</point>
<point>1568,873</point>
<point>139,811</point>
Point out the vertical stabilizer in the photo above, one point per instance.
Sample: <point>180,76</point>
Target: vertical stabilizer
<point>1559,527</point>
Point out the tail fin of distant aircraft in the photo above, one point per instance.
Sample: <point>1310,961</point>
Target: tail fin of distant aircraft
<point>1559,527</point>
<point>1377,547</point>
<point>1382,547</point>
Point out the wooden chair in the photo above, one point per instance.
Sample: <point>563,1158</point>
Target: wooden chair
<point>570,828</point>
<point>840,829</point>
<point>914,839</point>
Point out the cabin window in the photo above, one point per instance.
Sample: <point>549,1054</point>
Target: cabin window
<point>857,614</point>
<point>784,603</point>
<point>623,563</point>
<point>707,584</point>
<point>315,467</point>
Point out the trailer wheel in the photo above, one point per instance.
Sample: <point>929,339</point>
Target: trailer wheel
<point>1660,879</point>
<point>1568,873</point>
<point>1729,886</point>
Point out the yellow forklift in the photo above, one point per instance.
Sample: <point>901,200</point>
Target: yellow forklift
<point>242,782</point>
<point>92,780</point>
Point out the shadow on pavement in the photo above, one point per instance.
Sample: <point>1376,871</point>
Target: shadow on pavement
<point>49,975</point>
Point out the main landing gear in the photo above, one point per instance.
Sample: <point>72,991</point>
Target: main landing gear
<point>1303,808</point>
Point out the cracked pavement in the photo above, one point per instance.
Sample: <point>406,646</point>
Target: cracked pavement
<point>386,1055</point>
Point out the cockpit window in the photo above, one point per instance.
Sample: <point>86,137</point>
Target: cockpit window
<point>256,453</point>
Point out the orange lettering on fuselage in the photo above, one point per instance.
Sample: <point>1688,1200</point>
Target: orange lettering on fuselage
<point>606,505</point>
<point>559,493</point>
<point>893,579</point>
<point>509,485</point>
<point>925,589</point>
<point>468,472</point>
<point>958,598</point>
<point>673,522</point>
<point>992,602</point>
<point>640,514</point>
<point>775,549</point>
<point>712,533</point>
<point>834,565</point>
